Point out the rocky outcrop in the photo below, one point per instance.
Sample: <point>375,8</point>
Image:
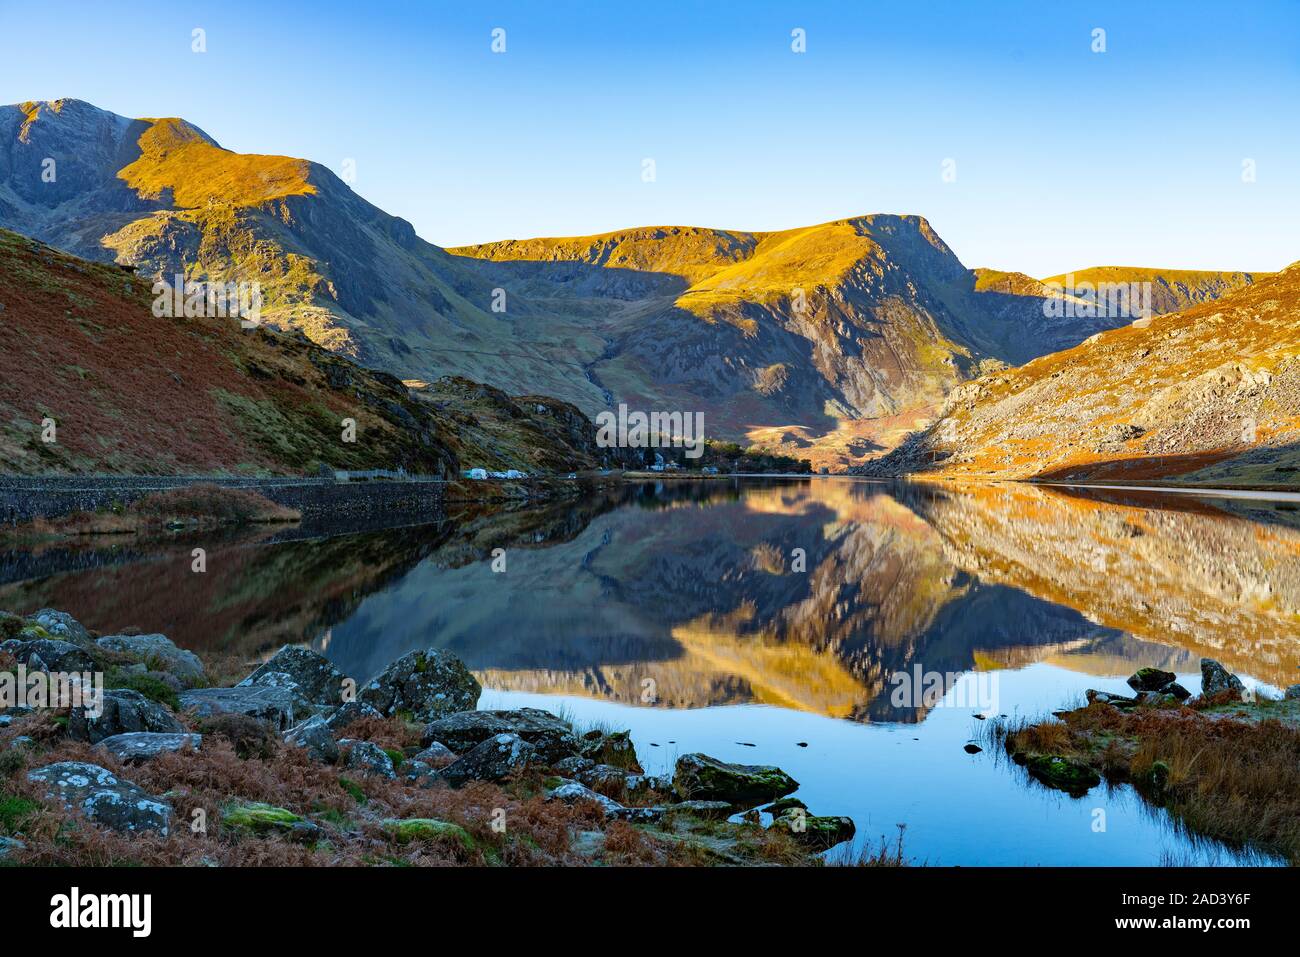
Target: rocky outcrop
<point>159,652</point>
<point>428,684</point>
<point>702,778</point>
<point>493,760</point>
<point>304,672</point>
<point>103,798</point>
<point>278,706</point>
<point>123,711</point>
<point>552,737</point>
<point>136,747</point>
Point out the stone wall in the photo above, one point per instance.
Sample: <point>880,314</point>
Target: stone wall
<point>23,498</point>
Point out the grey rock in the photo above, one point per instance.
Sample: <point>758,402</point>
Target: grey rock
<point>429,684</point>
<point>494,760</point>
<point>418,771</point>
<point>136,747</point>
<point>368,758</point>
<point>552,737</point>
<point>704,778</point>
<point>315,736</point>
<point>1150,679</point>
<point>61,625</point>
<point>573,766</point>
<point>22,741</point>
<point>1215,679</point>
<point>1293,693</point>
<point>158,651</point>
<point>278,706</point>
<point>303,670</point>
<point>571,792</point>
<point>345,714</point>
<point>103,797</point>
<point>10,846</point>
<point>123,711</point>
<point>436,755</point>
<point>49,654</point>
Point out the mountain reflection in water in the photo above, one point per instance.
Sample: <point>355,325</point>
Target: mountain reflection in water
<point>804,594</point>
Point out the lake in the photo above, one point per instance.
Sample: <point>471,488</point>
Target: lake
<point>857,634</point>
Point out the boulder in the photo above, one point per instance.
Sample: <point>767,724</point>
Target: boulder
<point>436,755</point>
<point>103,798</point>
<point>348,712</point>
<point>418,772</point>
<point>159,653</point>
<point>50,654</point>
<point>136,747</point>
<point>314,735</point>
<point>813,830</point>
<point>1150,679</point>
<point>1105,697</point>
<point>571,792</point>
<point>552,737</point>
<point>124,711</point>
<point>494,760</point>
<point>708,810</point>
<point>1060,773</point>
<point>405,831</point>
<point>279,707</point>
<point>1293,693</point>
<point>703,778</point>
<point>260,820</point>
<point>304,671</point>
<point>59,624</point>
<point>428,684</point>
<point>368,758</point>
<point>1216,679</point>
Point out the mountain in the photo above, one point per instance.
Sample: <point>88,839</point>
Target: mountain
<point>828,342</point>
<point>129,391</point>
<point>1208,394</point>
<point>1172,290</point>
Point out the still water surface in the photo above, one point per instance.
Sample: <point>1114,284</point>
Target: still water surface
<point>771,621</point>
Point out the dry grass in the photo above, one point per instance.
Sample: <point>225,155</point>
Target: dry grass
<point>1233,780</point>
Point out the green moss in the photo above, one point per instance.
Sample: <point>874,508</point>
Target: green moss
<point>427,829</point>
<point>354,789</point>
<point>396,756</point>
<point>258,818</point>
<point>14,812</point>
<point>1061,773</point>
<point>152,688</point>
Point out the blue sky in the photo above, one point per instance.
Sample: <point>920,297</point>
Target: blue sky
<point>1064,158</point>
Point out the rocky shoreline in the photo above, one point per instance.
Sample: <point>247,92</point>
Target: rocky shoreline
<point>299,764</point>
<point>1224,763</point>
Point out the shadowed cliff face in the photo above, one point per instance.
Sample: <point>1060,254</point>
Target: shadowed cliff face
<point>812,596</point>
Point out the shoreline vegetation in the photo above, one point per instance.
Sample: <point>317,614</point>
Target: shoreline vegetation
<point>186,765</point>
<point>1224,764</point>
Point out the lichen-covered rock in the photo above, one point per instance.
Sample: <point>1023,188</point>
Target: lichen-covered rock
<point>813,830</point>
<point>348,712</point>
<point>314,735</point>
<point>494,760</point>
<point>703,778</point>
<point>1216,679</point>
<point>571,792</point>
<point>1150,679</point>
<point>159,653</point>
<point>551,736</point>
<point>1106,697</point>
<point>51,654</point>
<point>611,747</point>
<point>279,707</point>
<point>428,684</point>
<point>103,798</point>
<point>418,772</point>
<point>426,829</point>
<point>124,711</point>
<point>436,755</point>
<point>136,747</point>
<point>368,758</point>
<point>259,819</point>
<point>1060,773</point>
<point>313,676</point>
<point>61,625</point>
<point>9,846</point>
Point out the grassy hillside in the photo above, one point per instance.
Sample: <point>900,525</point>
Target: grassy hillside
<point>1209,394</point>
<point>130,392</point>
